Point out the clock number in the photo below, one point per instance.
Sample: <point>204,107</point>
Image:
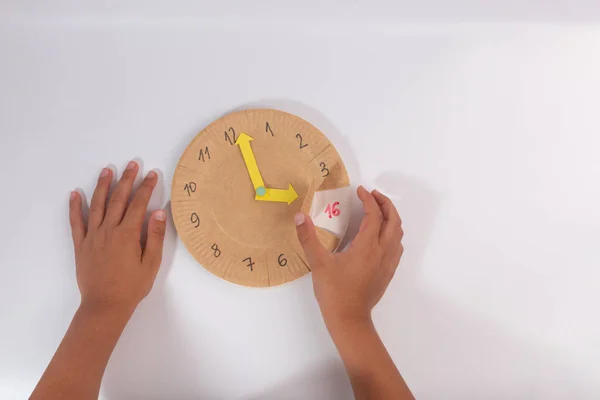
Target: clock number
<point>332,209</point>
<point>268,130</point>
<point>190,188</point>
<point>282,260</point>
<point>195,219</point>
<point>250,263</point>
<point>202,153</point>
<point>231,139</point>
<point>302,144</point>
<point>324,169</point>
<point>217,251</point>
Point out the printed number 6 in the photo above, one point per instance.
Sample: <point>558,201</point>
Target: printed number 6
<point>282,260</point>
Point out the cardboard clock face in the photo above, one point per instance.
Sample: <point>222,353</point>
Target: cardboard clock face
<point>239,184</point>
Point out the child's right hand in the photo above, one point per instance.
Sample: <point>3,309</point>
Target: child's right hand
<point>350,283</point>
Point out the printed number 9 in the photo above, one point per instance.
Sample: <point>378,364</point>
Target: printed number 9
<point>195,219</point>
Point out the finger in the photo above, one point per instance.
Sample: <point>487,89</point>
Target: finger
<point>373,218</point>
<point>307,236</point>
<point>392,224</point>
<point>98,203</point>
<point>76,218</point>
<point>118,201</point>
<point>156,236</point>
<point>136,212</point>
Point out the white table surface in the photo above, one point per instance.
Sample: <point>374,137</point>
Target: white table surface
<point>483,128</point>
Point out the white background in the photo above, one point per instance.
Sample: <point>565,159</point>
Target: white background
<point>481,121</point>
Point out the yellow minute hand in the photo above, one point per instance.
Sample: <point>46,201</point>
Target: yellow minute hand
<point>243,141</point>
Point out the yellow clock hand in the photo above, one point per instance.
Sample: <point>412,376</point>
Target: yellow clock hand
<point>243,141</point>
<point>278,195</point>
<point>262,193</point>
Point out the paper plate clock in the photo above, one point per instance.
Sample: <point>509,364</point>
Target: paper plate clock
<point>238,185</point>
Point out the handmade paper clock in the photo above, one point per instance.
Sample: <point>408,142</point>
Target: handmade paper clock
<point>239,184</point>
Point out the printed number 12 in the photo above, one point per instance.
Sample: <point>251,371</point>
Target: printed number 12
<point>332,209</point>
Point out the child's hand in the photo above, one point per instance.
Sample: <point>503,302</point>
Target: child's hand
<point>349,284</point>
<point>113,269</point>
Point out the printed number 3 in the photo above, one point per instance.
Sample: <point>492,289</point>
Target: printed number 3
<point>324,169</point>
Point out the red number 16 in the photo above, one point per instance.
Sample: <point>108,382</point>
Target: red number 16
<point>332,209</point>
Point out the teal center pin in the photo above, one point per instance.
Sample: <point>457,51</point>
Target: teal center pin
<point>261,191</point>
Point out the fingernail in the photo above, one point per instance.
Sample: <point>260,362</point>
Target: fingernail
<point>151,175</point>
<point>160,215</point>
<point>375,191</point>
<point>131,164</point>
<point>104,172</point>
<point>72,195</point>
<point>299,218</point>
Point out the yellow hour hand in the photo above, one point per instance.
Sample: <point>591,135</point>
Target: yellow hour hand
<point>243,141</point>
<point>279,195</point>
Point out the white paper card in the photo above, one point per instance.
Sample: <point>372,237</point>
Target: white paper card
<point>330,210</point>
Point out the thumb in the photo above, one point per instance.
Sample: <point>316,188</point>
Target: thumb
<point>307,236</point>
